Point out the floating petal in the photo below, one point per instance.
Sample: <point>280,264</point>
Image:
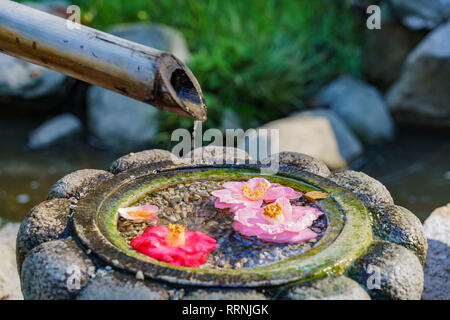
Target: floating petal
<point>145,212</point>
<point>316,195</point>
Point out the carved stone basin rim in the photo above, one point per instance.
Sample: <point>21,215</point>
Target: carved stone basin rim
<point>347,236</point>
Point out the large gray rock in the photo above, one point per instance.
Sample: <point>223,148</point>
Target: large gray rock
<point>389,271</point>
<point>437,266</point>
<point>9,278</point>
<point>204,155</point>
<point>157,36</point>
<point>320,134</point>
<point>360,106</point>
<point>55,270</point>
<point>56,7</point>
<point>349,145</point>
<point>47,221</point>
<point>56,130</point>
<point>118,286</point>
<point>329,288</point>
<point>77,184</point>
<point>28,88</point>
<point>421,14</point>
<point>25,80</point>
<point>118,122</point>
<point>421,95</point>
<point>385,51</point>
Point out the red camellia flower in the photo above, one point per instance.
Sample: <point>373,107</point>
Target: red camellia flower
<point>175,244</point>
<point>250,194</point>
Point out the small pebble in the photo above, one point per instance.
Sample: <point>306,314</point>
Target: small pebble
<point>34,184</point>
<point>140,275</point>
<point>23,198</point>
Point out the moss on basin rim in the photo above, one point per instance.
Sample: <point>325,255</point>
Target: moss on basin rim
<point>347,236</point>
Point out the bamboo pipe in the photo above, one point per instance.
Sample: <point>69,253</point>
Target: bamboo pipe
<point>139,72</point>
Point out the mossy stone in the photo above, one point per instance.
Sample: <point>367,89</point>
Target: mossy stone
<point>119,286</point>
<point>47,221</point>
<point>77,184</point>
<point>370,191</point>
<point>389,271</point>
<point>399,225</point>
<point>300,161</point>
<point>217,155</point>
<point>224,294</point>
<point>437,265</point>
<point>333,287</point>
<point>138,159</point>
<point>55,270</point>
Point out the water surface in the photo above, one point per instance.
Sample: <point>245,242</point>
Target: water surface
<point>191,204</point>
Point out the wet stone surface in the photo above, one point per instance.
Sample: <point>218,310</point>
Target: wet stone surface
<point>332,287</point>
<point>192,205</point>
<point>47,221</point>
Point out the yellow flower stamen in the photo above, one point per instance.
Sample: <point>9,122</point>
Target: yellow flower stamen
<point>176,236</point>
<point>273,210</point>
<point>257,192</point>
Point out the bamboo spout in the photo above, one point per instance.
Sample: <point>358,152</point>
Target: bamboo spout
<point>139,72</point>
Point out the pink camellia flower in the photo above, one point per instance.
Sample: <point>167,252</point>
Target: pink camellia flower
<point>250,194</point>
<point>175,244</point>
<point>145,212</point>
<point>277,222</point>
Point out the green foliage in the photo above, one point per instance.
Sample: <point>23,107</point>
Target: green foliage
<point>262,59</point>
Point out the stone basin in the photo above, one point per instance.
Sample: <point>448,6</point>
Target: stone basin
<point>74,245</point>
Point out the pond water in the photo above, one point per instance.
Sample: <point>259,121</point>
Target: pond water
<point>415,168</point>
<point>27,175</point>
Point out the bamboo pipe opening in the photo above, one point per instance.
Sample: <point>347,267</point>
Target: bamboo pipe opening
<point>180,90</point>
